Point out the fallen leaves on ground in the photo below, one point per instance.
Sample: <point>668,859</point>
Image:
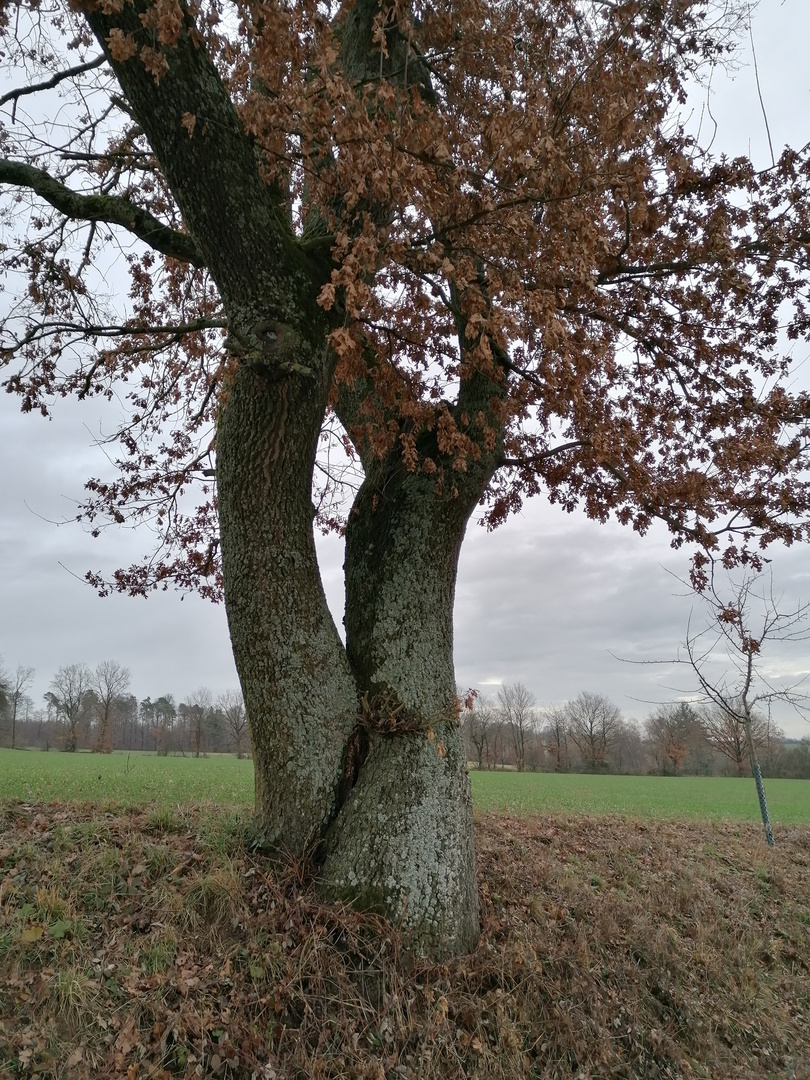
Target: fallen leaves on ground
<point>140,945</point>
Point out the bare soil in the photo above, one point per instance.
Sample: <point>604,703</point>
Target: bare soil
<point>158,944</point>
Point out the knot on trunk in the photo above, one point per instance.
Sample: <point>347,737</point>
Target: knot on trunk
<point>383,713</point>
<point>272,347</point>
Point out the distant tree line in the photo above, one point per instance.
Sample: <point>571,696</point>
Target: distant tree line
<point>590,734</point>
<point>93,709</point>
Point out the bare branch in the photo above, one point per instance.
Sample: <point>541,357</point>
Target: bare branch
<point>112,209</point>
<point>553,451</point>
<point>114,330</point>
<point>49,84</point>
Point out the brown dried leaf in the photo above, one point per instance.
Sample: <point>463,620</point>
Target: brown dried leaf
<point>122,46</point>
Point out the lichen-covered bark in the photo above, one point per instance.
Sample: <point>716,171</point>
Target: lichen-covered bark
<point>402,547</point>
<point>403,846</point>
<point>299,691</point>
<point>402,843</point>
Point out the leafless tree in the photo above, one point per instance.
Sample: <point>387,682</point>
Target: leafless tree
<point>627,751</point>
<point>68,695</point>
<point>740,694</point>
<point>519,714</point>
<point>5,685</point>
<point>498,739</point>
<point>594,724</point>
<point>555,737</point>
<point>232,706</point>
<point>724,730</point>
<point>16,686</point>
<point>669,730</point>
<point>773,747</point>
<point>110,682</point>
<point>479,724</point>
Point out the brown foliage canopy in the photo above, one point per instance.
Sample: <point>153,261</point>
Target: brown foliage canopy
<point>506,197</point>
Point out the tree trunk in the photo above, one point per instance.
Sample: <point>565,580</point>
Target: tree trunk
<point>72,738</point>
<point>757,771</point>
<point>298,689</point>
<point>402,844</point>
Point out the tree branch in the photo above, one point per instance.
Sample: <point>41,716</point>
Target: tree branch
<point>90,330</point>
<point>517,463</point>
<point>49,84</point>
<point>111,209</point>
<point>240,222</point>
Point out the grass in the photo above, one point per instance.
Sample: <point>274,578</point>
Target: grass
<point>705,798</point>
<point>130,780</point>
<point>144,944</point>
<point>141,936</point>
<point>125,779</point>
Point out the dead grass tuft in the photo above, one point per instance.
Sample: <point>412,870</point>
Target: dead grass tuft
<point>213,898</point>
<point>73,996</point>
<point>134,945</point>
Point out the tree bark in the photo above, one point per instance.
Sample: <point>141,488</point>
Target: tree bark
<point>402,844</point>
<point>298,689</point>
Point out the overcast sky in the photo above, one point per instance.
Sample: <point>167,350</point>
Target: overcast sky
<point>550,599</point>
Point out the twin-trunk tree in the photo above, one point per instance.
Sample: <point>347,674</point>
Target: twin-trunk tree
<point>476,233</point>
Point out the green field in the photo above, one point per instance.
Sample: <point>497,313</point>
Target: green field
<point>705,798</point>
<point>125,779</point>
<point>135,779</point>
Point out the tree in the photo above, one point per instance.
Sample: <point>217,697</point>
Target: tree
<point>593,724</point>
<point>555,738</point>
<point>18,684</point>
<point>68,695</point>
<point>164,715</point>
<point>5,686</point>
<point>146,714</point>
<point>110,683</point>
<point>497,740</point>
<point>232,706</point>
<point>669,730</point>
<point>773,746</point>
<point>724,729</point>
<point>127,710</point>
<point>477,234</point>
<point>627,751</point>
<point>479,723</point>
<point>735,696</point>
<point>796,762</point>
<point>518,708</point>
<point>197,711</point>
